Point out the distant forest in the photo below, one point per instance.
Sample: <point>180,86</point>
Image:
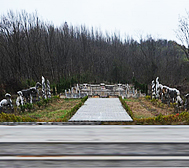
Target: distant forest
<point>30,48</point>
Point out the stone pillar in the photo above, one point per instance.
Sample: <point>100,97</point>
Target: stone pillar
<point>48,89</point>
<point>43,88</point>
<point>153,90</point>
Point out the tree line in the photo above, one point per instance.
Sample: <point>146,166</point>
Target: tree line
<point>30,48</point>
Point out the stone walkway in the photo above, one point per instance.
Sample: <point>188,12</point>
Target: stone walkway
<point>101,109</point>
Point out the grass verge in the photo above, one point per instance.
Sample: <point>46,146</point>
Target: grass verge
<point>126,107</point>
<point>55,110</point>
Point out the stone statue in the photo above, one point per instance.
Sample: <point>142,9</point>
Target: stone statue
<point>179,101</point>
<point>35,92</point>
<point>28,94</point>
<point>7,102</point>
<point>20,99</point>
<point>79,94</point>
<point>187,102</point>
<point>71,90</point>
<point>48,89</point>
<point>66,93</point>
<point>127,91</point>
<point>43,88</point>
<point>157,88</point>
<point>77,88</point>
<point>153,90</point>
<point>133,91</point>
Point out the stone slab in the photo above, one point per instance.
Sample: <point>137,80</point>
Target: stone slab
<point>101,109</point>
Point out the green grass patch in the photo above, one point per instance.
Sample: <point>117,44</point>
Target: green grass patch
<point>52,110</point>
<point>131,100</point>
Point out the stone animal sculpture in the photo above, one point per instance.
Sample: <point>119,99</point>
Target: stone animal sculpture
<point>165,94</point>
<point>172,95</point>
<point>29,93</point>
<point>187,102</point>
<point>35,90</point>
<point>7,102</point>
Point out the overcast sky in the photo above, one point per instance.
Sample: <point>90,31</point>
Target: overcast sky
<point>158,18</point>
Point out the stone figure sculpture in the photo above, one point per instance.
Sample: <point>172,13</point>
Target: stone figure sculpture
<point>153,90</point>
<point>48,89</point>
<point>35,91</point>
<point>77,88</point>
<point>7,102</point>
<point>71,90</point>
<point>127,88</point>
<point>66,93</point>
<point>157,88</point>
<point>20,99</point>
<point>43,88</point>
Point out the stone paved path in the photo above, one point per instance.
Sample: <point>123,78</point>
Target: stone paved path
<point>101,109</point>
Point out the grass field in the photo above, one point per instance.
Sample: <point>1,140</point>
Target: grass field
<point>53,111</point>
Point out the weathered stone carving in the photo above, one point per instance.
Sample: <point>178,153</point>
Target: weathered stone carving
<point>48,89</point>
<point>35,92</point>
<point>44,96</point>
<point>20,99</point>
<point>6,103</point>
<point>187,102</point>
<point>28,94</point>
<point>153,90</point>
<point>102,90</point>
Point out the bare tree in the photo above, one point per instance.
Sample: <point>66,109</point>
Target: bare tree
<point>182,34</point>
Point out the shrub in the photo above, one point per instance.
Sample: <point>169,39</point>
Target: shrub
<point>39,103</point>
<point>84,99</point>
<point>154,101</point>
<point>164,120</point>
<point>29,106</point>
<point>13,118</point>
<point>126,107</point>
<point>148,97</point>
<point>22,108</point>
<point>56,97</point>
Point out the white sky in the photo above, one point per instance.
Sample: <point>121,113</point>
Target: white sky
<point>158,18</point>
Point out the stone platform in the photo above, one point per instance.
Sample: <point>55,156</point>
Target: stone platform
<point>101,109</point>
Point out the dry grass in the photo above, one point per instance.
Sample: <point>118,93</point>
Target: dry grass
<point>143,108</point>
<point>54,110</point>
